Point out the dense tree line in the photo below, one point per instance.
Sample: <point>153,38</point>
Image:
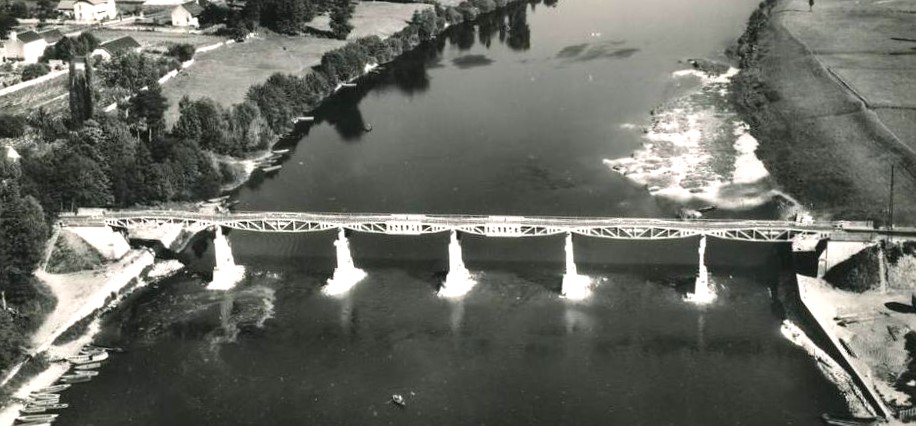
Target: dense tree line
<point>23,231</point>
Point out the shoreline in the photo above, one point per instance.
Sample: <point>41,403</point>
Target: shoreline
<point>133,271</point>
<point>820,140</point>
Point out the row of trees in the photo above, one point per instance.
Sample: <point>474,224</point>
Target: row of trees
<point>23,231</point>
<point>282,16</point>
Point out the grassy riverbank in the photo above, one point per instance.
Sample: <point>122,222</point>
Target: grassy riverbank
<point>813,89</point>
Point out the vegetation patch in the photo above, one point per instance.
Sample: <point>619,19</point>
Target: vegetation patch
<point>858,273</point>
<point>72,254</point>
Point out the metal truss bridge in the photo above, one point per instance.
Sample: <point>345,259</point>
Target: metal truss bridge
<point>490,226</point>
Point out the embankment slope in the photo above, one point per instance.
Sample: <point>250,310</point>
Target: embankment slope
<point>815,89</point>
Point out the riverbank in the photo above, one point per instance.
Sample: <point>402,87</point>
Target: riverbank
<point>82,297</point>
<point>827,95</point>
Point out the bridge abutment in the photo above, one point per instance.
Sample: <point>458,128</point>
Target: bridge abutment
<point>347,274</point>
<point>226,274</point>
<point>458,282</point>
<point>702,291</point>
<point>575,286</point>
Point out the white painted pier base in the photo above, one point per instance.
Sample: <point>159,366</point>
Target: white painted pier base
<point>347,274</point>
<point>226,274</point>
<point>703,292</point>
<point>458,282</point>
<point>575,286</point>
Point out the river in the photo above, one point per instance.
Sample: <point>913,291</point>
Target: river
<point>495,119</point>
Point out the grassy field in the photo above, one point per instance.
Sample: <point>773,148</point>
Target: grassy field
<point>50,94</point>
<point>158,40</point>
<point>374,18</point>
<point>225,74</point>
<point>817,138</point>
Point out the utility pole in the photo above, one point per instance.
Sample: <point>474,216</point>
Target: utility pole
<point>890,207</point>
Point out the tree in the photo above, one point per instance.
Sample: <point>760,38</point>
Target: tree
<point>285,16</point>
<point>81,92</point>
<point>147,110</point>
<point>181,51</point>
<point>33,71</point>
<point>341,12</point>
<point>68,48</point>
<point>7,22</point>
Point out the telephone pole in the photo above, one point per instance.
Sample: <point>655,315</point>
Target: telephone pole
<point>890,206</point>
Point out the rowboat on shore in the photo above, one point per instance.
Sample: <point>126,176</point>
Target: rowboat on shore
<point>86,359</point>
<point>280,151</point>
<point>38,418</point>
<point>116,349</point>
<point>90,366</point>
<point>75,378</point>
<point>302,119</point>
<point>87,373</point>
<point>32,409</point>
<point>53,389</point>
<point>39,395</point>
<point>272,168</point>
<point>44,402</point>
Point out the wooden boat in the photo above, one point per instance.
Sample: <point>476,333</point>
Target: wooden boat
<point>33,399</point>
<point>87,373</point>
<point>40,395</point>
<point>272,168</point>
<point>218,199</point>
<point>90,366</point>
<point>44,402</point>
<point>38,418</point>
<point>52,389</point>
<point>75,378</point>
<point>347,84</point>
<point>59,406</point>
<point>280,151</point>
<point>91,351</point>
<point>86,359</point>
<point>32,409</point>
<point>302,119</point>
<point>116,349</point>
<point>848,421</point>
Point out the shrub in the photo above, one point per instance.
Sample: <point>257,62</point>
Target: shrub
<point>11,126</point>
<point>33,71</point>
<point>182,51</point>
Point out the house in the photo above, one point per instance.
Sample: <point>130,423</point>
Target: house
<point>110,48</point>
<point>185,15</point>
<point>27,46</point>
<point>88,10</point>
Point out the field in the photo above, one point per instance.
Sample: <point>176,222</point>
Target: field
<point>225,74</point>
<point>50,94</point>
<point>158,40</point>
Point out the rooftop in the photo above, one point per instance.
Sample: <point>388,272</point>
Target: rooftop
<point>193,8</point>
<point>120,45</point>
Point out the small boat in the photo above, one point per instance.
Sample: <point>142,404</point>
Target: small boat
<point>848,421</point>
<point>90,366</point>
<point>398,400</point>
<point>38,418</point>
<point>60,406</point>
<point>75,378</point>
<point>86,359</point>
<point>87,373</point>
<point>116,349</point>
<point>706,209</point>
<point>302,119</point>
<point>32,409</point>
<point>347,84</point>
<point>272,168</point>
<point>53,389</point>
<point>91,351</point>
<point>367,127</point>
<point>218,199</point>
<point>280,151</point>
<point>44,402</point>
<point>43,395</point>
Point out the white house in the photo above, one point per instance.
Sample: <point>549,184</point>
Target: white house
<point>88,10</point>
<point>27,46</point>
<point>185,15</point>
<point>110,48</point>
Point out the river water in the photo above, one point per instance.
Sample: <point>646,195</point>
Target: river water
<point>493,119</point>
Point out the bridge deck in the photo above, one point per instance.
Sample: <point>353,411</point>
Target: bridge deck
<point>496,226</point>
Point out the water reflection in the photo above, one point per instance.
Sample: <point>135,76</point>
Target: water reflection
<point>456,319</point>
<point>409,73</point>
